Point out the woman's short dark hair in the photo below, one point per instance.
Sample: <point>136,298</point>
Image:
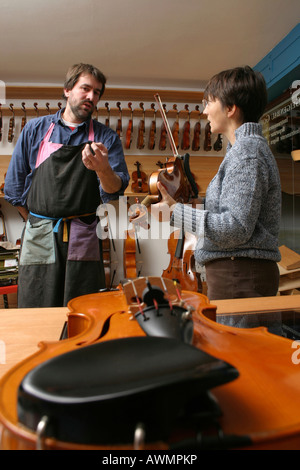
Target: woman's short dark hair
<point>77,70</point>
<point>242,86</point>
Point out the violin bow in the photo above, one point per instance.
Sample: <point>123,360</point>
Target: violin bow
<point>164,118</point>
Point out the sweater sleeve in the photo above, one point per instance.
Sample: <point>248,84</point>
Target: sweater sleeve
<point>238,209</point>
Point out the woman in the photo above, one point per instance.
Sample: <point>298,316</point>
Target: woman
<point>238,229</point>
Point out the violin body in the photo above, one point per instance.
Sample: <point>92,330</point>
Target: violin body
<point>181,268</point>
<point>174,178</point>
<point>251,404</point>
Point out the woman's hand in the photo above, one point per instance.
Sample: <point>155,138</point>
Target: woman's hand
<point>162,210</point>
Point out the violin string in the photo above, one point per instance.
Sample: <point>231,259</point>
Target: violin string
<point>163,115</point>
<point>137,298</point>
<point>177,290</point>
<point>167,293</point>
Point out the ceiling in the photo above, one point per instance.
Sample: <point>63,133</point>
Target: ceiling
<point>139,43</point>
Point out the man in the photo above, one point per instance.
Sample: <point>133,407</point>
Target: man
<point>62,168</point>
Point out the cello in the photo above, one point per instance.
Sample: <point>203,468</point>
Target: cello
<point>198,384</point>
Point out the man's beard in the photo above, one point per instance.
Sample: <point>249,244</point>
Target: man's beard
<point>81,112</point>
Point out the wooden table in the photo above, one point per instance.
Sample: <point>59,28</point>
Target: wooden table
<point>22,329</point>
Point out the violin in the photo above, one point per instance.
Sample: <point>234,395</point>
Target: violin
<point>130,264</point>
<point>24,118</point>
<point>181,247</point>
<point>11,125</point>
<point>168,374</point>
<point>175,128</point>
<point>107,119</point>
<point>163,135</point>
<point>139,180</point>
<point>176,176</point>
<point>197,133</point>
<point>152,131</point>
<point>119,123</point>
<point>207,139</point>
<point>129,129</point>
<point>185,143</point>
<point>218,143</point>
<point>141,130</point>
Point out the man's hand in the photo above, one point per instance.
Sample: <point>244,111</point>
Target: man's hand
<point>95,158</point>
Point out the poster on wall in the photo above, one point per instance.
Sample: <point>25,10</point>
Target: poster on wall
<point>281,128</point>
<point>281,124</point>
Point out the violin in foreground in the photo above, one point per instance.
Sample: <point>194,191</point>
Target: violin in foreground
<point>146,366</point>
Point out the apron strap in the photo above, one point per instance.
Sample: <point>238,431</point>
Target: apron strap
<point>59,220</point>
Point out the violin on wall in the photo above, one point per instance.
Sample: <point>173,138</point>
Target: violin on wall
<point>11,125</point>
<point>141,130</point>
<point>119,123</point>
<point>185,143</point>
<point>152,131</point>
<point>197,133</point>
<point>129,128</point>
<point>139,180</point>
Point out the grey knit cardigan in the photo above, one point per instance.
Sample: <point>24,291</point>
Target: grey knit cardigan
<point>241,215</point>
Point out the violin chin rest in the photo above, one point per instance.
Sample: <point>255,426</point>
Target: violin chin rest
<point>99,394</point>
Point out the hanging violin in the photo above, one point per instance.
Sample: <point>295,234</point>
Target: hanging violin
<point>163,135</point>
<point>24,118</point>
<point>197,133</point>
<point>175,127</point>
<point>139,180</point>
<point>141,131</point>
<point>207,139</point>
<point>218,143</point>
<point>185,143</point>
<point>11,124</point>
<point>129,128</point>
<point>107,119</point>
<point>119,123</point>
<point>152,131</point>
